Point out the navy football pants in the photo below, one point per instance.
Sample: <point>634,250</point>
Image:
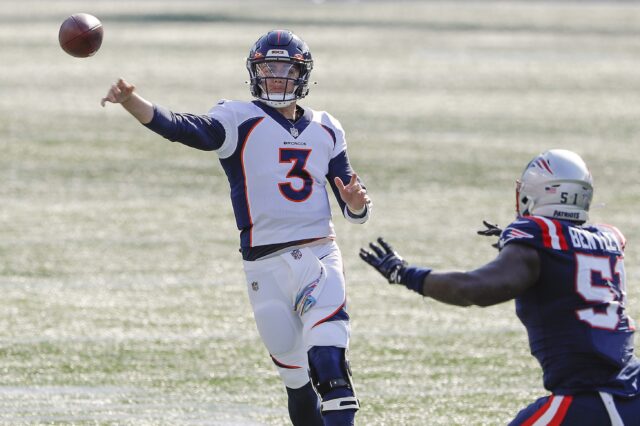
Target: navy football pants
<point>580,410</point>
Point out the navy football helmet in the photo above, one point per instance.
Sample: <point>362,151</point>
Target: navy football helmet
<point>279,66</point>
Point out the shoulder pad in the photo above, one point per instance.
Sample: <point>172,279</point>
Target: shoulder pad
<point>618,236</point>
<point>537,231</point>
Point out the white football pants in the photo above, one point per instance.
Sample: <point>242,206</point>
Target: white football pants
<point>294,296</point>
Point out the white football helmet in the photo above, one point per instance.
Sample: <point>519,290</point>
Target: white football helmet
<point>555,184</point>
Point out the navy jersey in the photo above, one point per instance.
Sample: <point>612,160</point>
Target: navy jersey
<point>575,313</point>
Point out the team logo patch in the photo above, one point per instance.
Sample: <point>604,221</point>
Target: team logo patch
<point>514,234</point>
<point>296,254</point>
<point>305,298</point>
<point>294,132</point>
<point>255,286</point>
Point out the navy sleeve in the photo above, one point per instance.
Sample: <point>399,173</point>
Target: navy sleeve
<point>197,131</point>
<point>339,166</point>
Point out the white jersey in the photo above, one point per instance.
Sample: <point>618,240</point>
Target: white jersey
<point>278,171</point>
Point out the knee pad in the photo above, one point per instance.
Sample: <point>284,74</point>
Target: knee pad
<point>331,377</point>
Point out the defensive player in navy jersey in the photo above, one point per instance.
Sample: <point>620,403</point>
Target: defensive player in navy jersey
<point>278,157</point>
<point>568,281</point>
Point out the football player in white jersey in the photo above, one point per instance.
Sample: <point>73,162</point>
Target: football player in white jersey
<point>278,157</point>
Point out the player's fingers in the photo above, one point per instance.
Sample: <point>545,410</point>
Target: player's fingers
<point>376,249</point>
<point>339,183</point>
<point>114,93</point>
<point>125,87</point>
<point>386,246</point>
<point>354,179</point>
<point>366,256</point>
<point>128,90</point>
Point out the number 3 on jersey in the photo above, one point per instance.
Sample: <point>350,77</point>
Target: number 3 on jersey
<point>299,159</point>
<point>608,293</point>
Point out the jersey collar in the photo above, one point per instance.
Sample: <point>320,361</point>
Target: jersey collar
<point>295,129</point>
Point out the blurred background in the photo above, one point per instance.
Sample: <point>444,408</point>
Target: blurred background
<point>123,298</point>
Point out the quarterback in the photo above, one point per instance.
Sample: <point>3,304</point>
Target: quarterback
<point>568,281</point>
<point>278,157</point>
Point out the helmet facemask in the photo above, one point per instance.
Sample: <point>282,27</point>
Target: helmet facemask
<point>277,82</point>
<point>556,184</point>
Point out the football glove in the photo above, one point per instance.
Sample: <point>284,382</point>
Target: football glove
<point>492,230</point>
<point>385,260</point>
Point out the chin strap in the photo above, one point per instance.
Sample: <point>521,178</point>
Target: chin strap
<point>277,104</point>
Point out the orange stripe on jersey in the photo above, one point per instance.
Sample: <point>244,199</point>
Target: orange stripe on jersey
<point>332,135</point>
<point>244,175</point>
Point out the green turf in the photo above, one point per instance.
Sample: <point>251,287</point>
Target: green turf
<point>122,293</point>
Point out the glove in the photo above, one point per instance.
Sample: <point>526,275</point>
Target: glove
<point>385,260</point>
<point>492,230</point>
<point>394,268</point>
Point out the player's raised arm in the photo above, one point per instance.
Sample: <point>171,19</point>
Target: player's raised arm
<point>514,270</point>
<point>123,93</point>
<point>197,131</point>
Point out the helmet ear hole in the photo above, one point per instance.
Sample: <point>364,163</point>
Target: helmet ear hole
<point>523,203</point>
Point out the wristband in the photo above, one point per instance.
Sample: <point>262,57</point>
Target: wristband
<point>413,278</point>
<point>359,212</point>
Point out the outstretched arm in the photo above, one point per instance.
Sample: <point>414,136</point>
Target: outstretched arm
<point>197,131</point>
<point>123,93</point>
<point>511,273</point>
<point>514,270</point>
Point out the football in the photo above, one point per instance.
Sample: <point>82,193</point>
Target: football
<point>81,35</point>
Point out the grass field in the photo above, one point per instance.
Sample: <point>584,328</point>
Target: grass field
<point>123,298</point>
